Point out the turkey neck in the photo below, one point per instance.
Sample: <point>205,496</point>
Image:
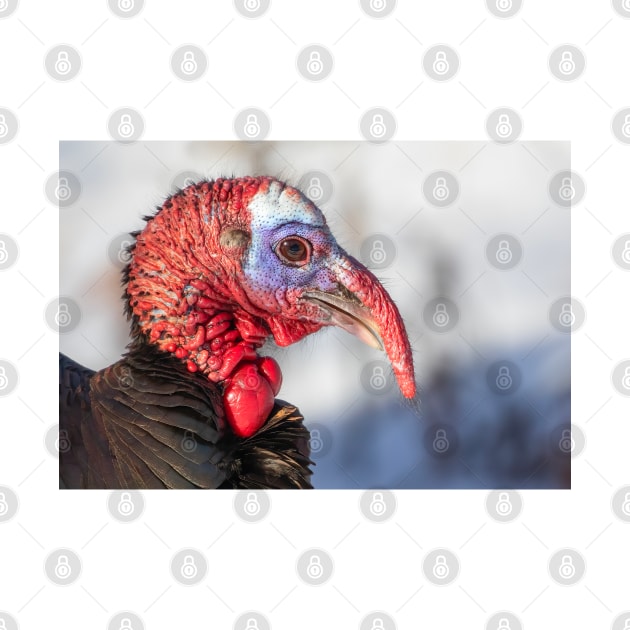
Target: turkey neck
<point>184,297</point>
<point>208,336</point>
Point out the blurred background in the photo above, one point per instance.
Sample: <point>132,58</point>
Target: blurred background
<point>472,240</point>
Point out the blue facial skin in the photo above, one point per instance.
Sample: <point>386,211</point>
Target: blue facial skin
<point>277,214</point>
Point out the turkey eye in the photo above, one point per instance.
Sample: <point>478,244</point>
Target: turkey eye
<point>294,250</point>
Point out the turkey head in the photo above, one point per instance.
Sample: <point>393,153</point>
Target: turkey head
<point>225,264</point>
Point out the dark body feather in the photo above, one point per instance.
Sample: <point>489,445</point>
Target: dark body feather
<point>146,422</point>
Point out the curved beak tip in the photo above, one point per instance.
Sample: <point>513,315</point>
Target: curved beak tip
<point>359,321</point>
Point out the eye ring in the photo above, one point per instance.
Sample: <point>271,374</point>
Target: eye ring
<point>294,251</point>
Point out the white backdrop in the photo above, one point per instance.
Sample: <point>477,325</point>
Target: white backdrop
<point>251,63</point>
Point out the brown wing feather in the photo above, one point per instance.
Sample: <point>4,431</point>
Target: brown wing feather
<point>145,422</point>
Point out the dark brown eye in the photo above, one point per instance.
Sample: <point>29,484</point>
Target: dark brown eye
<point>294,251</point>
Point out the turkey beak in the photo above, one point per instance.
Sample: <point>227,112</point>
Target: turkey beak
<point>362,307</point>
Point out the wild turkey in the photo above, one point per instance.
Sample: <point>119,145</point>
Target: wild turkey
<point>221,266</point>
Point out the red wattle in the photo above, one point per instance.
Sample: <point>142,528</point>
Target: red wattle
<point>248,400</point>
<point>270,369</point>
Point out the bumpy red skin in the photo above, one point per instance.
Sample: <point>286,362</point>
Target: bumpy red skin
<point>188,294</point>
<point>184,301</point>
